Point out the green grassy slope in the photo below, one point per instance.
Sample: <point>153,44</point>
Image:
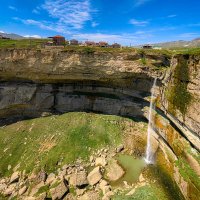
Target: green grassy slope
<point>43,142</point>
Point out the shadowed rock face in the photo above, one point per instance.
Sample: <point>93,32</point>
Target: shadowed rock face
<point>31,100</point>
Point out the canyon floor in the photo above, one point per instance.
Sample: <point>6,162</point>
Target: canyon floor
<point>74,156</point>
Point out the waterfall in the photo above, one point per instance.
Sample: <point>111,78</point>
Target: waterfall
<point>149,155</point>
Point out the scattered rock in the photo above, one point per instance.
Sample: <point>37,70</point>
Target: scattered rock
<point>102,184</point>
<point>100,162</point>
<point>32,176</point>
<point>79,179</point>
<point>91,159</point>
<point>80,192</point>
<point>3,186</point>
<point>8,191</point>
<point>141,178</point>
<point>131,192</point>
<point>94,176</point>
<point>22,190</point>
<point>108,195</point>
<point>36,188</point>
<point>59,191</point>
<point>9,167</point>
<point>14,177</point>
<point>42,196</point>
<point>90,195</point>
<point>114,171</point>
<point>42,176</point>
<point>50,178</point>
<point>120,148</point>
<point>70,197</point>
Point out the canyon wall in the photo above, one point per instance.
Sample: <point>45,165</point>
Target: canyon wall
<point>35,83</point>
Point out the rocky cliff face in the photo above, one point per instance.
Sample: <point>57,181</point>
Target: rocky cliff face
<point>181,93</point>
<point>33,82</point>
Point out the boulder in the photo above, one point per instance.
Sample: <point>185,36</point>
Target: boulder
<point>141,178</point>
<point>3,186</point>
<point>120,148</point>
<point>42,196</point>
<point>104,186</point>
<point>114,171</point>
<point>78,179</point>
<point>108,195</point>
<point>22,190</point>
<point>15,177</point>
<point>59,191</point>
<point>10,190</point>
<point>69,197</point>
<point>42,176</point>
<point>90,195</point>
<point>50,178</point>
<point>36,188</point>
<point>94,176</point>
<point>80,192</point>
<point>100,162</point>
<point>103,183</point>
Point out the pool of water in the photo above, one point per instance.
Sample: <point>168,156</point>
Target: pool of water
<point>132,167</point>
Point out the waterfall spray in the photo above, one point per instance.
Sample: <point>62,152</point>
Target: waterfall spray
<point>149,154</point>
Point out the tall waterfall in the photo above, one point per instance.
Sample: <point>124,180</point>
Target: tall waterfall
<point>149,155</point>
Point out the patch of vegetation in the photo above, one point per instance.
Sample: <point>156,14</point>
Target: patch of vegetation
<point>146,192</point>
<point>54,185</point>
<point>187,172</point>
<point>143,61</point>
<point>186,51</point>
<point>43,189</point>
<point>177,94</point>
<point>43,142</point>
<point>22,43</point>
<point>88,50</point>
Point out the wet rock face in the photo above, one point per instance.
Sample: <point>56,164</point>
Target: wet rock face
<point>180,94</point>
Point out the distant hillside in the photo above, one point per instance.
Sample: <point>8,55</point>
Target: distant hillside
<point>178,44</point>
<point>11,35</point>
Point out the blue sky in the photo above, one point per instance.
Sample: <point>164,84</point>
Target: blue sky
<point>124,21</point>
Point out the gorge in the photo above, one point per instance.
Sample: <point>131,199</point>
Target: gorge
<point>41,83</point>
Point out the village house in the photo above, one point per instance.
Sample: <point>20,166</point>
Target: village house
<point>74,42</point>
<point>103,44</point>
<point>90,43</point>
<point>57,40</point>
<point>147,46</point>
<point>116,45</point>
<point>4,38</point>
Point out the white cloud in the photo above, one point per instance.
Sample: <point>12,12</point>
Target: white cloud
<point>65,16</point>
<point>138,3</point>
<point>94,24</point>
<point>72,13</point>
<point>33,36</point>
<point>138,22</point>
<point>171,16</point>
<point>2,32</point>
<point>12,8</point>
<point>45,25</point>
